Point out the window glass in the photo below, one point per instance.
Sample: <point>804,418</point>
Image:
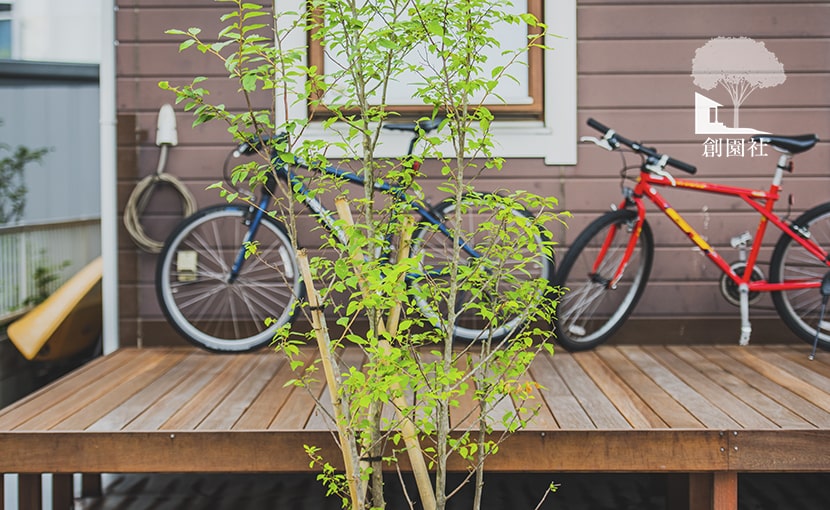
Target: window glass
<point>5,37</point>
<point>5,30</point>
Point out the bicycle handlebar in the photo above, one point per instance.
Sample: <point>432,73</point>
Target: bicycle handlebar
<point>614,139</point>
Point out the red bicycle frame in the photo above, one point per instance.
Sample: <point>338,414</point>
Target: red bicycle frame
<point>762,201</point>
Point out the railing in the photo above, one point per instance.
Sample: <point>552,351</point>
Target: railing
<point>34,253</point>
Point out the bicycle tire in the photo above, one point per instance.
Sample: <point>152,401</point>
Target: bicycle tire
<point>511,272</point>
<point>589,312</point>
<point>799,309</point>
<point>193,287</point>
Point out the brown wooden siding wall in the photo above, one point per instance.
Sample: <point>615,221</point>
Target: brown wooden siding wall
<point>634,63</point>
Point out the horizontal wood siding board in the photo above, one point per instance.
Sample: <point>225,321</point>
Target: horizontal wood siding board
<point>662,21</point>
<point>596,162</point>
<point>647,328</point>
<point>613,57</point>
<point>661,126</point>
<point>655,126</point>
<point>677,91</point>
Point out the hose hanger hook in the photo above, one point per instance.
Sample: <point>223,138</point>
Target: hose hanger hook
<point>166,137</point>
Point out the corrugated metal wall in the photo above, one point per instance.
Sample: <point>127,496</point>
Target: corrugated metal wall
<point>634,63</point>
<point>54,106</point>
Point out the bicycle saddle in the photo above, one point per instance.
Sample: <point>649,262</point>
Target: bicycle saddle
<point>426,125</point>
<point>791,144</point>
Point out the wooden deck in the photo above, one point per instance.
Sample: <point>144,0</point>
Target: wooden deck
<point>708,411</point>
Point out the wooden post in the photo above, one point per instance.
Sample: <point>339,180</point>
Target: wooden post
<point>29,491</point>
<point>408,429</point>
<point>699,495</point>
<point>91,485</point>
<point>725,491</point>
<point>62,494</point>
<point>708,491</point>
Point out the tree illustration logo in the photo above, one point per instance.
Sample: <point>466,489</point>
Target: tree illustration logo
<point>740,65</point>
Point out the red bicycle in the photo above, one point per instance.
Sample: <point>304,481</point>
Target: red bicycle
<point>607,267</point>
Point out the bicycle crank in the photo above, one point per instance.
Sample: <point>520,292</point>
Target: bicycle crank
<point>730,289</point>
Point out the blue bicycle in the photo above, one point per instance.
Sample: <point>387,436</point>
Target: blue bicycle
<point>221,300</point>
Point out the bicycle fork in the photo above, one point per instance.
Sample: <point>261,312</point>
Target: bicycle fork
<point>252,220</point>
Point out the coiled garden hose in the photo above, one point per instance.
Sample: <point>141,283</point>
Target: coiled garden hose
<point>140,197</point>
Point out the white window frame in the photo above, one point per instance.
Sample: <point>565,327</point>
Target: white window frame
<point>553,138</point>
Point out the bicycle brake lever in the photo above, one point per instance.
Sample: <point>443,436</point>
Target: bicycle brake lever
<point>659,168</point>
<point>596,141</point>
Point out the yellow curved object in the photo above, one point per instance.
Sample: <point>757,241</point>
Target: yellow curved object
<point>67,322</point>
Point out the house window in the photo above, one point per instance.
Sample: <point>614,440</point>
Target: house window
<point>5,30</point>
<point>519,96</point>
<point>545,122</point>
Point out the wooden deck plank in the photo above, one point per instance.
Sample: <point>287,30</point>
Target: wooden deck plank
<point>117,394</point>
<point>807,411</point>
<point>131,408</point>
<point>702,409</point>
<point>299,406</point>
<point>227,412</point>
<point>817,399</point>
<point>542,418</point>
<point>191,414</point>
<point>797,370</point>
<point>502,412</point>
<point>818,365</point>
<point>464,415</point>
<point>671,413</point>
<point>164,408</point>
<point>596,404</point>
<point>717,365</point>
<point>265,407</point>
<point>322,417</point>
<point>687,367</point>
<point>72,397</point>
<point>66,391</point>
<point>563,406</point>
<point>635,411</point>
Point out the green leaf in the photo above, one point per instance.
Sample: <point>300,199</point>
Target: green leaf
<point>186,44</point>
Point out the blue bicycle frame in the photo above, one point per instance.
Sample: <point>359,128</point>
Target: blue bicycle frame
<point>325,215</point>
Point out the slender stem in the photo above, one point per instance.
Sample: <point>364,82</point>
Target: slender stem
<point>348,445</point>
